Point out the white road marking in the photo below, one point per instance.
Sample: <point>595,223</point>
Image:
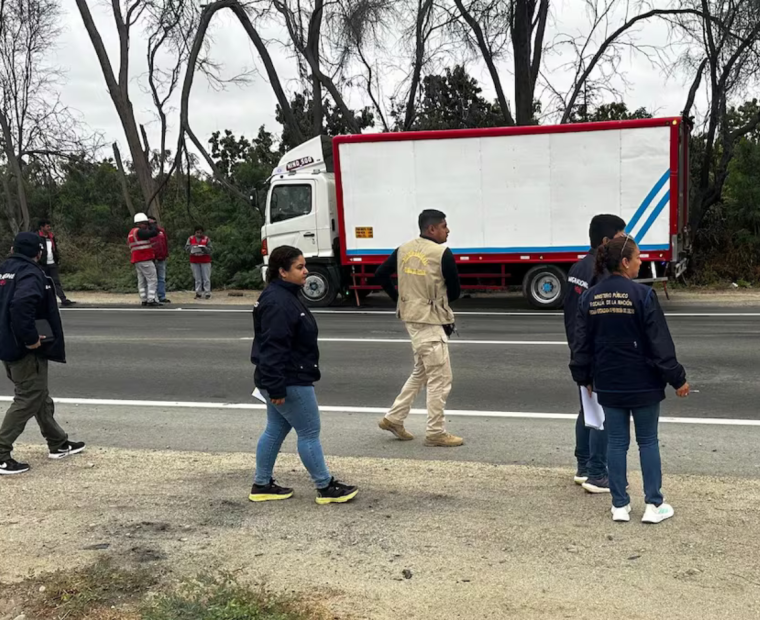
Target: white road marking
<point>247,310</point>
<point>528,415</point>
<point>407,341</point>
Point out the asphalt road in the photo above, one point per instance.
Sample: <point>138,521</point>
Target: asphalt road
<point>515,362</point>
<point>506,359</point>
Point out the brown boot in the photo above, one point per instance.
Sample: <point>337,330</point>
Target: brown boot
<point>397,429</point>
<point>443,440</point>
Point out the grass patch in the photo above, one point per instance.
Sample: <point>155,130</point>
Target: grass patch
<point>106,591</point>
<point>92,591</point>
<point>222,598</point>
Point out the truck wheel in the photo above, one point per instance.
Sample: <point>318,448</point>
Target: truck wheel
<point>320,289</point>
<point>544,287</point>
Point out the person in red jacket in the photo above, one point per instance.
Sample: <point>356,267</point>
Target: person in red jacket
<point>199,246</point>
<point>161,249</point>
<point>143,255</point>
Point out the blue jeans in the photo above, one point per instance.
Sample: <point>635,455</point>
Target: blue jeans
<point>161,275</point>
<point>301,412</point>
<point>618,423</point>
<point>590,449</point>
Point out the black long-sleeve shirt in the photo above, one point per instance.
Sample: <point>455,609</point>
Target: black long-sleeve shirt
<point>143,234</point>
<point>384,275</point>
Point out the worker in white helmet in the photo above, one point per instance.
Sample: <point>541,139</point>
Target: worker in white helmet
<point>143,256</point>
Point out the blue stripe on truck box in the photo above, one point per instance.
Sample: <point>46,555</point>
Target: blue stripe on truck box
<point>647,202</point>
<point>579,249</point>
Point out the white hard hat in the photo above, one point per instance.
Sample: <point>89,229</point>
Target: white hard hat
<point>140,218</point>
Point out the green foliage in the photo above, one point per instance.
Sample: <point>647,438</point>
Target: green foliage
<point>617,111</point>
<point>334,122</point>
<point>207,598</point>
<point>452,100</point>
<point>75,594</point>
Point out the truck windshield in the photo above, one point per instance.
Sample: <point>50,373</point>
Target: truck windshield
<point>289,201</point>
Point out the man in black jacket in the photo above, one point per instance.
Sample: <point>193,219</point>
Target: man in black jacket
<point>31,334</point>
<point>50,259</point>
<point>590,444</point>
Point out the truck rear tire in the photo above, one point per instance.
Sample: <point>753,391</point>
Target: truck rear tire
<point>544,287</point>
<point>320,289</point>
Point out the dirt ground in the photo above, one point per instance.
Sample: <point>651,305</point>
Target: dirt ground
<point>423,539</point>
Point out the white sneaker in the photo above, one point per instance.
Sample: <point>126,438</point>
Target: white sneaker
<point>657,514</point>
<point>621,514</point>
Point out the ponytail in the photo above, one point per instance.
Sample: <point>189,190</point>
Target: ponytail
<point>609,256</point>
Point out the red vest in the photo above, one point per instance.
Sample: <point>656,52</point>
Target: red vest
<point>199,258</point>
<point>142,250</point>
<point>160,246</point>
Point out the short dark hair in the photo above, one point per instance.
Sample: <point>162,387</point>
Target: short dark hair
<point>604,225</point>
<point>152,217</point>
<point>430,217</point>
<point>43,222</point>
<point>611,254</point>
<point>197,228</point>
<point>282,257</point>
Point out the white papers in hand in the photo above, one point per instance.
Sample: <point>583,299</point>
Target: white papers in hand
<point>258,395</point>
<point>593,414</point>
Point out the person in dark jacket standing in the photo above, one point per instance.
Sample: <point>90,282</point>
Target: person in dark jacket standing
<point>28,307</point>
<point>50,259</point>
<point>590,443</point>
<point>286,356</point>
<point>624,352</point>
<point>161,250</point>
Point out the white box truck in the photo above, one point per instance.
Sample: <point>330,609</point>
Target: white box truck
<point>518,201</point>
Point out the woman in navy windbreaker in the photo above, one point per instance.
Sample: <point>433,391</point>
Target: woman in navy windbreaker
<point>623,349</point>
<point>286,356</point>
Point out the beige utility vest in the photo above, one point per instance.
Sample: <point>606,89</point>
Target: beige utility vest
<point>421,287</point>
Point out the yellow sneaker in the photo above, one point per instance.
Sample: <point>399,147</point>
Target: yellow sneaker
<point>397,429</point>
<point>444,440</point>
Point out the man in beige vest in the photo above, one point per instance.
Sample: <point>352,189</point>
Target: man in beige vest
<point>427,281</point>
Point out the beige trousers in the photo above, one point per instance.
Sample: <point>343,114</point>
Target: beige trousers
<point>432,369</point>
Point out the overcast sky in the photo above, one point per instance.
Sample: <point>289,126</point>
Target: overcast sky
<point>243,110</point>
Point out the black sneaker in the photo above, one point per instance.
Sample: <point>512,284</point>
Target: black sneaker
<point>197,296</point>
<point>336,493</point>
<point>597,485</point>
<point>68,302</point>
<point>581,475</point>
<point>69,448</point>
<point>145,303</point>
<point>154,304</point>
<point>165,301</point>
<point>269,492</point>
<point>9,467</point>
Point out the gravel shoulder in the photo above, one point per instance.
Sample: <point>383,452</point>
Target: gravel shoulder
<point>432,539</point>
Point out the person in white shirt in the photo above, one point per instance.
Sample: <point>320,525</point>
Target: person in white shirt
<point>50,258</point>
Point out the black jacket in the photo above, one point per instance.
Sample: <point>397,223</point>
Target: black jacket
<point>623,345</point>
<point>384,274</point>
<point>285,349</point>
<point>56,255</point>
<point>27,295</point>
<point>580,278</point>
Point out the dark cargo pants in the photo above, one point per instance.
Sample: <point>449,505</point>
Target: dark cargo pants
<point>32,400</point>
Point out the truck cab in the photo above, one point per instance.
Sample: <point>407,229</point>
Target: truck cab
<point>301,211</point>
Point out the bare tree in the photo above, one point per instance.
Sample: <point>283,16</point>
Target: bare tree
<point>126,15</point>
<point>725,42</point>
<point>304,25</point>
<point>357,32</point>
<point>35,127</point>
<point>486,26</point>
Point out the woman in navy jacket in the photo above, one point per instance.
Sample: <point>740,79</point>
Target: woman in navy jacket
<point>286,356</point>
<point>623,349</point>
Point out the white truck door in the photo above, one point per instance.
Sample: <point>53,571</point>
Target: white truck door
<point>292,216</point>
